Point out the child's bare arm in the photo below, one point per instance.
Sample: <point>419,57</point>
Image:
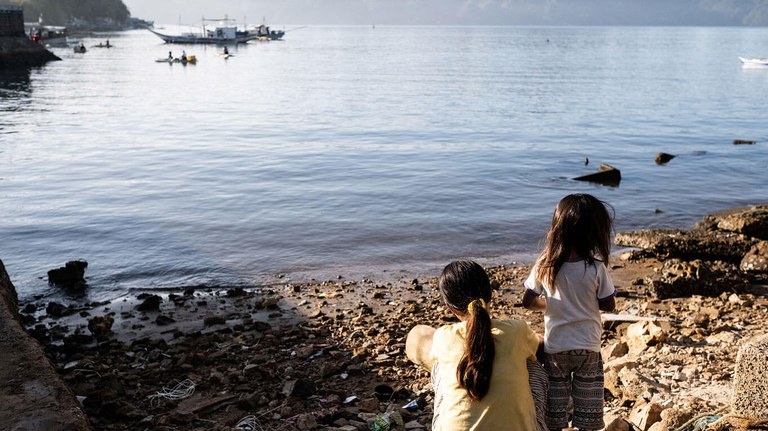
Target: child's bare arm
<point>532,301</point>
<point>607,304</point>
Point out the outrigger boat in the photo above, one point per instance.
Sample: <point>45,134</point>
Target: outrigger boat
<point>753,62</point>
<point>223,34</point>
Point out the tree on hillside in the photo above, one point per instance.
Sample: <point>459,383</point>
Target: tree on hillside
<point>64,12</point>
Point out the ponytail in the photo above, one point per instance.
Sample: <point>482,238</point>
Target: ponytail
<point>476,365</point>
<point>465,288</point>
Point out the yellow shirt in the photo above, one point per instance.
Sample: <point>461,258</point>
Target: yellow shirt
<point>508,405</point>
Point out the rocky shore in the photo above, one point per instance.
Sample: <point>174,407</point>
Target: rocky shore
<point>330,355</point>
<point>19,51</point>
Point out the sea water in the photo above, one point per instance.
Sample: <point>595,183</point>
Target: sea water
<point>361,151</point>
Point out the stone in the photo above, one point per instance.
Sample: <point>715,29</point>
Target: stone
<point>618,424</point>
<point>756,259</point>
<point>306,422</point>
<point>150,303</point>
<point>662,158</point>
<point>750,385</point>
<point>101,326</point>
<point>644,414</point>
<point>606,174</point>
<point>678,278</point>
<point>688,245</point>
<point>301,388</point>
<point>641,335</point>
<point>71,275</point>
<point>752,221</point>
<point>614,350</point>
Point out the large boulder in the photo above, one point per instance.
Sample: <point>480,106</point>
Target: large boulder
<point>750,385</point>
<point>678,279</point>
<point>756,260</point>
<point>752,221</point>
<point>31,393</point>
<point>688,245</point>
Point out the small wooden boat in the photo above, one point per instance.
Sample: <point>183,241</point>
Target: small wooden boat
<point>80,49</point>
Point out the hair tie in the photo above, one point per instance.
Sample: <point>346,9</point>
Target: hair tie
<point>471,306</point>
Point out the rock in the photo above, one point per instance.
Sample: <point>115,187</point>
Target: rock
<point>55,309</point>
<point>743,142</point>
<point>756,259</point>
<point>101,326</point>
<point>662,158</point>
<point>70,276</point>
<point>688,245</point>
<point>641,335</point>
<point>751,221</point>
<point>615,350</point>
<point>750,386</point>
<point>678,279</point>
<point>150,303</point>
<point>214,320</point>
<point>301,388</point>
<point>606,174</point>
<point>645,414</point>
<point>618,424</point>
<point>306,422</point>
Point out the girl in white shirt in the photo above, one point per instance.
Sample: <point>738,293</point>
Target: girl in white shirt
<point>570,283</point>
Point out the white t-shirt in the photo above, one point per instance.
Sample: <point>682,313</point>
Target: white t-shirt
<point>572,319</point>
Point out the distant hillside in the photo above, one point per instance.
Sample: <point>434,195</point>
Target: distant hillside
<point>76,13</point>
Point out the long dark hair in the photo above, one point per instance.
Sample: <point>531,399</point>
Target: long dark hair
<point>466,289</point>
<point>581,223</point>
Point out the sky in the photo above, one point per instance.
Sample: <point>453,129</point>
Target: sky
<point>442,12</point>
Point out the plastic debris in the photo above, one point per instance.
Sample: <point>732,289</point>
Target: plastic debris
<point>389,421</point>
<point>413,405</point>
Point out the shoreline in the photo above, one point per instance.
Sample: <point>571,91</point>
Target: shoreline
<point>329,355</point>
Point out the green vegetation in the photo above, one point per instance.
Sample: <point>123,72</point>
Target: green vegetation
<point>83,13</point>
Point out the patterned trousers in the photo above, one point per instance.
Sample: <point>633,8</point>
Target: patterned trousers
<point>576,374</point>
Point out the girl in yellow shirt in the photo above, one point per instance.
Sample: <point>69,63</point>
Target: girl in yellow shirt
<point>480,366</point>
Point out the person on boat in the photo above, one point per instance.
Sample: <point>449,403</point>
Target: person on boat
<point>226,51</point>
<point>184,55</point>
<point>170,55</point>
<point>107,43</point>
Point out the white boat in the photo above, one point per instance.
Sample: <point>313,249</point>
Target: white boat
<point>754,62</point>
<point>222,35</point>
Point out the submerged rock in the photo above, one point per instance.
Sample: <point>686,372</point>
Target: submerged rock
<point>606,174</point>
<point>70,276</point>
<point>662,158</point>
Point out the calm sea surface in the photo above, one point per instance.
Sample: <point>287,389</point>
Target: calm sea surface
<point>362,151</point>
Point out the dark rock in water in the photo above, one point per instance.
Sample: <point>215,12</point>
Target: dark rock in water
<point>101,326</point>
<point>607,175</point>
<point>688,245</point>
<point>680,279</point>
<point>743,142</point>
<point>756,260</point>
<point>55,309</point>
<point>662,158</point>
<point>151,303</point>
<point>71,275</point>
